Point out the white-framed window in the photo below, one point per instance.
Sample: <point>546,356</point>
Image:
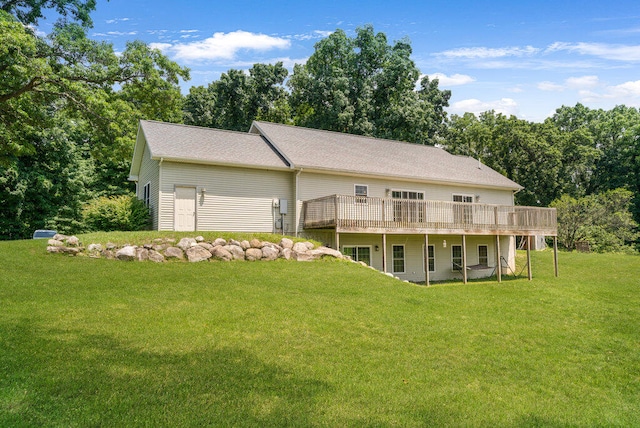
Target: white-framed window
<point>361,191</point>
<point>432,258</point>
<point>483,255</point>
<point>146,194</point>
<point>463,198</point>
<point>456,258</point>
<point>358,253</point>
<point>407,194</point>
<point>397,257</point>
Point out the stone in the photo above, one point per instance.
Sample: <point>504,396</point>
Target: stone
<point>236,251</point>
<point>206,245</point>
<point>255,243</point>
<point>107,254</point>
<point>286,243</point>
<point>198,254</point>
<point>142,254</point>
<point>73,241</point>
<point>286,253</point>
<point>148,246</point>
<point>309,245</point>
<point>220,241</point>
<point>234,242</point>
<point>221,253</point>
<point>72,251</point>
<point>110,246</point>
<point>199,238</point>
<point>270,253</point>
<point>300,247</point>
<point>127,253</point>
<point>301,257</point>
<point>158,247</point>
<point>94,248</point>
<point>186,243</point>
<point>59,237</point>
<point>325,251</point>
<point>54,249</point>
<point>155,256</point>
<point>174,253</point>
<point>253,254</point>
<point>54,243</point>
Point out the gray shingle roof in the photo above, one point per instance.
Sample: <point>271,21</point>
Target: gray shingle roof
<point>206,145</point>
<point>325,150</point>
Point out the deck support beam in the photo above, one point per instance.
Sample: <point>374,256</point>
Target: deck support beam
<point>464,259</point>
<point>426,260</point>
<point>529,257</point>
<point>384,253</point>
<point>498,259</point>
<point>555,254</point>
<point>337,241</point>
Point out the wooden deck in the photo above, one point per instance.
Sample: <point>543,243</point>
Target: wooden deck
<point>355,214</point>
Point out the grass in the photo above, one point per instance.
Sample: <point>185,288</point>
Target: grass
<point>86,342</point>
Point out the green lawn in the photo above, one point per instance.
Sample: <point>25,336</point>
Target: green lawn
<point>86,342</point>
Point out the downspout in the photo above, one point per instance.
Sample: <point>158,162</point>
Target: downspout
<point>160,194</point>
<point>297,196</point>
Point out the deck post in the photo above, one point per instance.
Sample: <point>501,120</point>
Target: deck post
<point>426,259</point>
<point>555,254</point>
<point>498,259</point>
<point>337,241</point>
<point>464,259</point>
<point>529,257</point>
<point>384,253</point>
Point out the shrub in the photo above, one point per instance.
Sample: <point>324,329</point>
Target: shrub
<point>123,213</point>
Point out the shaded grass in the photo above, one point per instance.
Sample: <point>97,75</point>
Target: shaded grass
<point>104,343</point>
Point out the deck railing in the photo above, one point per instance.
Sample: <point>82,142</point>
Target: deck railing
<point>364,214</point>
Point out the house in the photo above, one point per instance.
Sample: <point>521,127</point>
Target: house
<point>415,211</point>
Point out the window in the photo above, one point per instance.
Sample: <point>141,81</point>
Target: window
<point>361,192</point>
<point>405,209</point>
<point>359,254</point>
<point>483,255</point>
<point>432,258</point>
<point>463,213</point>
<point>146,194</point>
<point>456,257</point>
<point>398,258</point>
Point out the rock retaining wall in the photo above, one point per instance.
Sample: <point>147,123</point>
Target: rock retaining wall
<point>195,250</point>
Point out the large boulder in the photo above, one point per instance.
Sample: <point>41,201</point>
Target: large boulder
<point>255,243</point>
<point>198,254</point>
<point>245,244</point>
<point>174,253</point>
<point>300,247</point>
<point>220,241</point>
<point>155,256</point>
<point>253,254</point>
<point>55,243</point>
<point>325,251</point>
<point>236,251</point>
<point>127,253</point>
<point>206,245</point>
<point>186,243</point>
<point>286,253</point>
<point>221,253</point>
<point>286,243</point>
<point>142,254</point>
<point>73,241</point>
<point>270,253</point>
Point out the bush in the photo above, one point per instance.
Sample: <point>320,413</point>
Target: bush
<point>122,213</point>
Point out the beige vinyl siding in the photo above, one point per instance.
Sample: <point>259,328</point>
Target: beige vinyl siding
<point>315,185</point>
<point>149,174</point>
<point>235,199</point>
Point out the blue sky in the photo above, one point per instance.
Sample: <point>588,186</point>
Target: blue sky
<point>517,57</point>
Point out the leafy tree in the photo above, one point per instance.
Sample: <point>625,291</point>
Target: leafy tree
<point>236,99</point>
<point>363,85</point>
<point>604,220</point>
<point>122,213</point>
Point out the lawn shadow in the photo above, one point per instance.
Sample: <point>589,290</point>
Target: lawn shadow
<point>67,378</point>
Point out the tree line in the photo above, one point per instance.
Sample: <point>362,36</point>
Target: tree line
<point>69,108</point>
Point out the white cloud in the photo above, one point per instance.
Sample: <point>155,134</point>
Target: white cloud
<point>453,80</point>
<point>189,31</point>
<point>582,82</point>
<point>601,50</point>
<point>506,106</point>
<point>485,53</point>
<point>224,46</point>
<point>316,34</point>
<point>116,20</point>
<point>550,86</point>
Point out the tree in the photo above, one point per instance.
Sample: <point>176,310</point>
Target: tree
<point>237,99</point>
<point>604,220</point>
<point>365,86</point>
